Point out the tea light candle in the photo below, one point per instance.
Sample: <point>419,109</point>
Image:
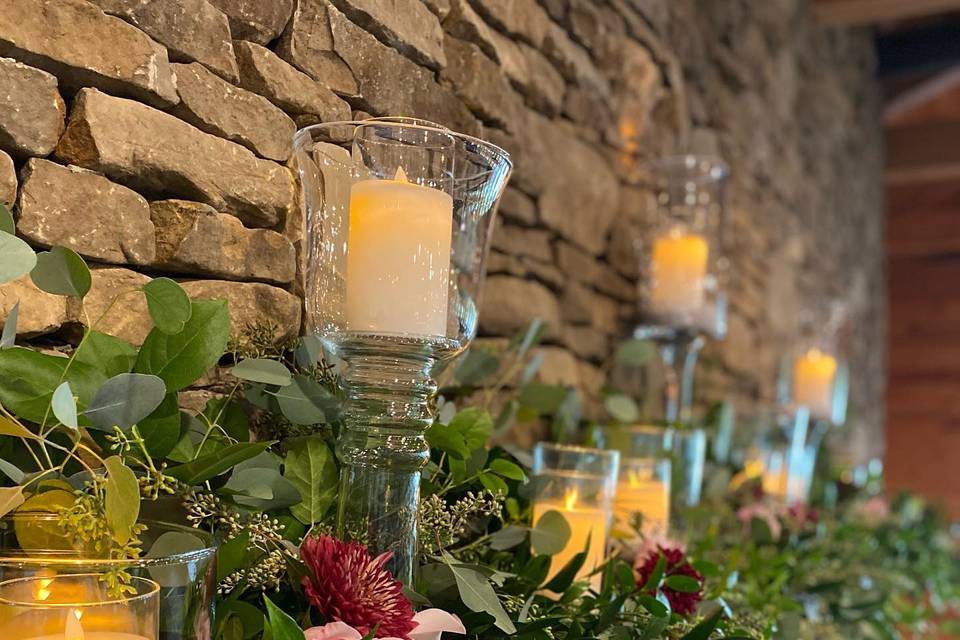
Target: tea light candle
<point>813,380</point>
<point>585,523</point>
<point>648,496</point>
<point>679,270</point>
<point>398,257</point>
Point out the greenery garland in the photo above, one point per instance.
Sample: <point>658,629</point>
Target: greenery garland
<point>93,433</point>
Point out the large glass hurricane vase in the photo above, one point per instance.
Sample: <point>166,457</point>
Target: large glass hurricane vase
<point>398,220</point>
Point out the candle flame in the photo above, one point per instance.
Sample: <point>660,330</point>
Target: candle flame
<point>401,175</point>
<point>633,479</point>
<point>43,592</point>
<point>73,630</point>
<point>570,499</point>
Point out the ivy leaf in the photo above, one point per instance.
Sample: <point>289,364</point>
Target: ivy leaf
<point>168,305</point>
<point>10,499</point>
<point>124,400</point>
<point>282,626</point>
<point>306,401</point>
<point>311,467</point>
<point>550,534</point>
<point>181,358</point>
<point>106,353</point>
<point>263,370</point>
<point>16,257</point>
<point>212,465</point>
<point>9,336</point>
<point>123,499</point>
<point>28,379</point>
<point>62,272</point>
<point>64,405</point>
<point>478,595</point>
<point>7,224</point>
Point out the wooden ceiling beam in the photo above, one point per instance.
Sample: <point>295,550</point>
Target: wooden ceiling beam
<point>851,12</point>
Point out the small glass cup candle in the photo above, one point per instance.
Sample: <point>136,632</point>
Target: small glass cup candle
<point>78,607</point>
<point>579,483</point>
<point>688,449</point>
<point>643,486</point>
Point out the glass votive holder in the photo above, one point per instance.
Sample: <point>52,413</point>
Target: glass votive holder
<point>78,607</point>
<point>688,453</point>
<point>643,485</point>
<point>579,483</point>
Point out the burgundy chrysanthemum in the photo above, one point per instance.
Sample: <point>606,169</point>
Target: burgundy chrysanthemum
<point>347,585</point>
<point>682,603</point>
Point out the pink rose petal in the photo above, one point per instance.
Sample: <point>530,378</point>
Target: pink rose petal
<point>333,631</point>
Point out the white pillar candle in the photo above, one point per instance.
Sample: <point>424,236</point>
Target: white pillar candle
<point>813,379</point>
<point>398,258</point>
<point>679,270</point>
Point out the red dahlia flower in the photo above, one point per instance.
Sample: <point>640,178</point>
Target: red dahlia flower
<point>677,565</point>
<point>347,585</point>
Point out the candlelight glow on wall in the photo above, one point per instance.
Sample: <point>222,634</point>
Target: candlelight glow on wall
<point>78,607</point>
<point>578,483</point>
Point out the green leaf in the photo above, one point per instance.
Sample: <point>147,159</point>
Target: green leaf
<point>229,416</point>
<point>10,499</point>
<point>282,626</point>
<point>168,304</point>
<point>448,440</point>
<point>170,544</point>
<point>263,370</point>
<point>306,401</point>
<point>249,617</point>
<point>123,499</point>
<point>311,467</point>
<point>212,465</point>
<point>529,337</point>
<point>681,583</point>
<point>475,366</point>
<point>161,429</point>
<point>508,537</point>
<point>233,555</point>
<point>508,469</point>
<point>308,351</point>
<point>7,224</point>
<point>124,400</point>
<point>62,272</point>
<point>262,489</point>
<point>29,378</point>
<point>703,630</point>
<point>478,594</point>
<point>622,408</point>
<point>181,358</point>
<point>550,534</point>
<point>635,353</point>
<point>12,471</point>
<point>653,582</point>
<point>654,606</point>
<point>567,574</point>
<point>475,425</point>
<point>64,406</point>
<point>108,354</point>
<point>493,483</point>
<point>543,398</point>
<point>9,336</point>
<point>16,257</point>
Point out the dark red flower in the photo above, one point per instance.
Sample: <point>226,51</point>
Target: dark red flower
<point>347,585</point>
<point>677,565</point>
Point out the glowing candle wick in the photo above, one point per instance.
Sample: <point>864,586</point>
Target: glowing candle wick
<point>74,631</point>
<point>401,175</point>
<point>43,593</point>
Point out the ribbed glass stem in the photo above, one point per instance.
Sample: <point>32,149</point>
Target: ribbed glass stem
<point>382,449</point>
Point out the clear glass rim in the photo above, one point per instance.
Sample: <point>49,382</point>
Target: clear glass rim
<point>72,559</point>
<point>609,455</point>
<point>306,133</point>
<point>152,590</point>
<point>718,169</point>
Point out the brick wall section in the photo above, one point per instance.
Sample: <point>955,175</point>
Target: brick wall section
<point>175,116</point>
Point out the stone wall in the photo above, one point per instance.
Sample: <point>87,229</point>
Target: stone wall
<point>152,139</point>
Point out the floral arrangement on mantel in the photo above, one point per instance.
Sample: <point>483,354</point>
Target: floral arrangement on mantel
<point>93,432</point>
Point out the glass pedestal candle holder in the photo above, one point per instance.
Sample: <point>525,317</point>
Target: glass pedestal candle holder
<point>78,607</point>
<point>643,485</point>
<point>180,560</point>
<point>398,216</point>
<point>688,455</point>
<point>579,483</point>
<point>683,298</point>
